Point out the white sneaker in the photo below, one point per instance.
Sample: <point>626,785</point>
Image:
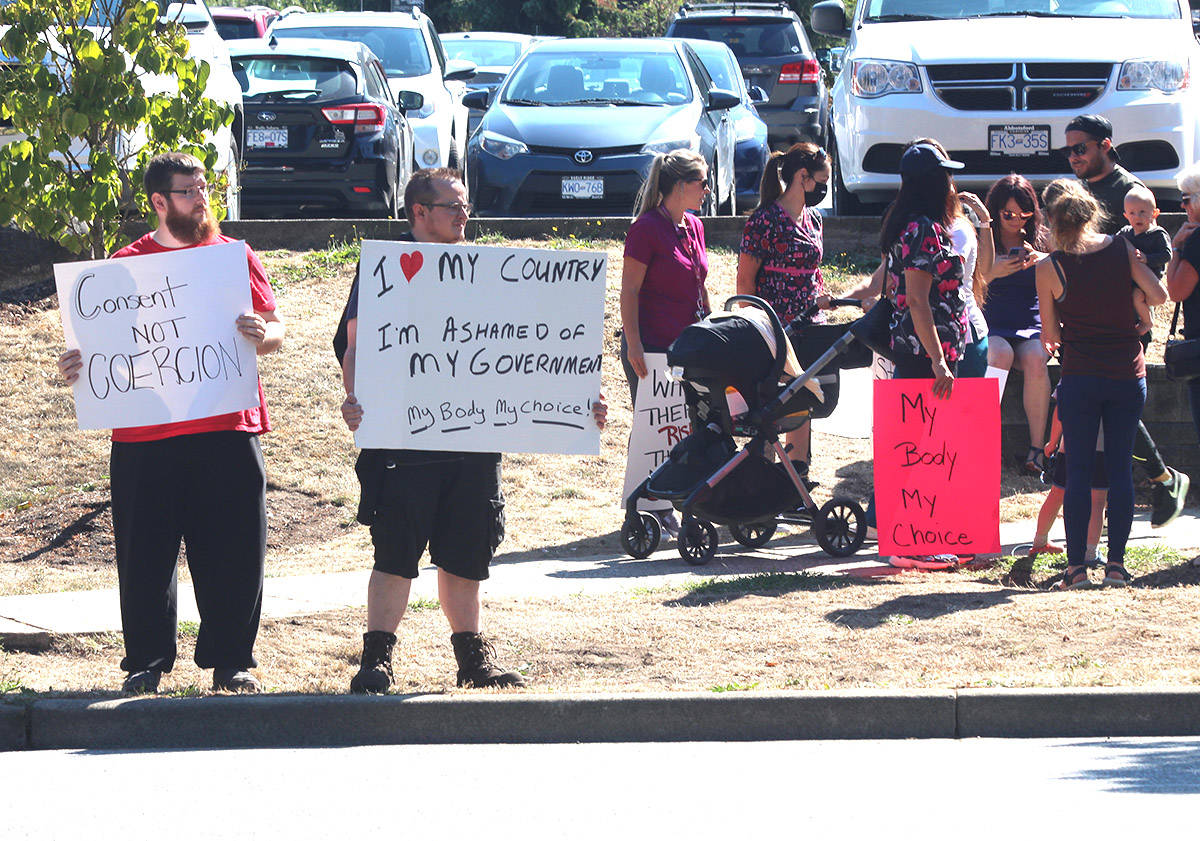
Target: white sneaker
<point>669,521</point>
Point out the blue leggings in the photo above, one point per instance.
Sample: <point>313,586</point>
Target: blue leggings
<point>1082,402</point>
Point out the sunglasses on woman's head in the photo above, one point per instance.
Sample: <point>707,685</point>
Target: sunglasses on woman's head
<point>1009,215</point>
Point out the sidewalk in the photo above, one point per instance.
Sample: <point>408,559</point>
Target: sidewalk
<point>30,621</point>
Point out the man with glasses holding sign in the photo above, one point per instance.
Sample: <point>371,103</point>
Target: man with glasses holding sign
<point>1097,164</point>
<point>448,501</point>
<point>201,480</point>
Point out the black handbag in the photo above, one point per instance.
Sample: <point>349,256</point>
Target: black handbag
<point>1182,356</point>
<point>875,328</point>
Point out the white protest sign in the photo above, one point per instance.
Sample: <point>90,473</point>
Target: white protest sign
<point>158,336</point>
<point>660,421</point>
<point>479,348</point>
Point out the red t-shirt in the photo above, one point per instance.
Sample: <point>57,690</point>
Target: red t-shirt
<point>248,420</point>
<point>672,294</point>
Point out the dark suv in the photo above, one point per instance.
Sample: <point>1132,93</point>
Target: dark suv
<point>775,55</point>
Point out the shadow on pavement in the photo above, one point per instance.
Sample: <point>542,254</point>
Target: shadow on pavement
<point>921,607</point>
<point>1159,767</point>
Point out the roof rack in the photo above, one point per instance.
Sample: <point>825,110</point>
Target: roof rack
<point>735,6</point>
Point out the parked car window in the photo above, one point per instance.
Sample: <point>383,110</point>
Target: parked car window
<point>485,53</point>
<point>555,78</point>
<point>703,80</point>
<point>295,77</point>
<point>402,51</point>
<point>749,39</point>
<point>725,74</point>
<point>231,30</point>
<point>885,10</point>
<point>437,45</point>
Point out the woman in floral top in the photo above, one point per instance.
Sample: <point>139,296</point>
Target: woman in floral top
<point>922,274</point>
<point>780,259</point>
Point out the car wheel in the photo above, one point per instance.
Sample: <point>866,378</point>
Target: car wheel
<point>729,206</point>
<point>709,207</point>
<point>233,185</point>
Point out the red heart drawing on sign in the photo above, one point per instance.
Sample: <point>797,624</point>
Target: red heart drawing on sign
<point>410,264</point>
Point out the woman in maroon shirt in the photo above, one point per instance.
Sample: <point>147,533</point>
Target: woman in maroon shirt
<point>662,283</point>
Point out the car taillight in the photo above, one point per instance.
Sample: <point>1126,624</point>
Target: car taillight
<point>806,72</point>
<point>364,118</point>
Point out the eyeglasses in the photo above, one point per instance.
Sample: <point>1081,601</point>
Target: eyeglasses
<point>193,193</point>
<point>1009,215</point>
<point>455,206</point>
<point>1185,198</point>
<point>1079,149</point>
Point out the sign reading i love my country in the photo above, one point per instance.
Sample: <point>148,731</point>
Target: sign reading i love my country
<point>479,348</point>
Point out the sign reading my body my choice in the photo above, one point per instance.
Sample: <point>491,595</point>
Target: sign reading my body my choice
<point>158,336</point>
<point>478,348</point>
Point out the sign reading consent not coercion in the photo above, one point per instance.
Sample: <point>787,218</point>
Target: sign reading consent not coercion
<point>937,467</point>
<point>478,348</point>
<point>158,336</point>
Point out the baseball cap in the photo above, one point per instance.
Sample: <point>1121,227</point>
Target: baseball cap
<point>1098,127</point>
<point>922,158</point>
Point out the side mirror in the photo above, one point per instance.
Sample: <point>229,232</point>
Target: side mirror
<point>829,18</point>
<point>476,100</point>
<point>458,70</point>
<point>409,101</point>
<point>757,94</point>
<point>720,100</point>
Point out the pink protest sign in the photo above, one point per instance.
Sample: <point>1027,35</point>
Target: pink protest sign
<point>937,467</point>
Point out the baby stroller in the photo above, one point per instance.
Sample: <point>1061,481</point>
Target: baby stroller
<point>735,385</point>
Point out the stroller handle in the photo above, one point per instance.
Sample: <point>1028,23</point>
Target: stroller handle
<point>776,325</point>
<point>833,305</point>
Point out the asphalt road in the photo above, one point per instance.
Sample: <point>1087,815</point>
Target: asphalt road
<point>857,789</point>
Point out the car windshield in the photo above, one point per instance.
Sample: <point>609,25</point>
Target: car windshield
<point>484,53</point>
<point>299,78</point>
<point>232,29</point>
<point>882,11</point>
<point>402,51</point>
<point>720,65</point>
<point>747,37</point>
<point>581,78</point>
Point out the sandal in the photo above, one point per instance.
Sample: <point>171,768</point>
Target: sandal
<point>1047,548</point>
<point>1035,461</point>
<point>1115,575</point>
<point>1073,580</point>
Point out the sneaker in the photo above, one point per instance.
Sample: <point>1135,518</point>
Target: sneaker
<point>144,682</point>
<point>375,666</point>
<point>477,663</point>
<point>1169,497</point>
<point>235,680</point>
<point>669,521</point>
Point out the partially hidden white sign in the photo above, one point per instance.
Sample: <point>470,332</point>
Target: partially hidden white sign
<point>478,348</point>
<point>158,336</point>
<point>660,421</point>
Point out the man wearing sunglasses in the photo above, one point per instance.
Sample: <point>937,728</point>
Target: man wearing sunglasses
<point>1095,162</point>
<point>448,501</point>
<point>199,481</point>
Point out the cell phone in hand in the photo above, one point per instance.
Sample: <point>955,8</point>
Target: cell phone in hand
<point>1016,251</point>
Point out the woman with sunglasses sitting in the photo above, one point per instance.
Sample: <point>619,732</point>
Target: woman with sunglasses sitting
<point>1011,305</point>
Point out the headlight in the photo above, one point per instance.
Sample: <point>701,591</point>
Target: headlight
<point>870,78</point>
<point>430,157</point>
<point>500,146</point>
<point>662,147</point>
<point>1143,75</point>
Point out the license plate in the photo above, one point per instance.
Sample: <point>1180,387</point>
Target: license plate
<point>1016,141</point>
<point>583,187</point>
<point>266,138</point>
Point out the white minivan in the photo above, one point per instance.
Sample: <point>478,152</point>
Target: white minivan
<point>997,81</point>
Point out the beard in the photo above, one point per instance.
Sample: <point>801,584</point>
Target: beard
<point>193,228</point>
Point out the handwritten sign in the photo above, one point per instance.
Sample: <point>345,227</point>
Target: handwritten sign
<point>158,337</point>
<point>660,421</point>
<point>937,467</point>
<point>479,349</point>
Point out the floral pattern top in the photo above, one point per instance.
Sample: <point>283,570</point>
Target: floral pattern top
<point>925,245</point>
<point>790,277</point>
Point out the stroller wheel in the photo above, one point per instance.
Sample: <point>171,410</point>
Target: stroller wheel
<point>753,535</point>
<point>697,541</point>
<point>640,537</point>
<point>841,527</point>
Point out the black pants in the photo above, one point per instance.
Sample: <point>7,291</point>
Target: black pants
<point>207,489</point>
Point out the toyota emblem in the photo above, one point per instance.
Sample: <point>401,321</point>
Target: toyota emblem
<point>266,116</point>
<point>583,156</point>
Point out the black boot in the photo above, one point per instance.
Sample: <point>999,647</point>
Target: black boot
<point>476,663</point>
<point>375,667</point>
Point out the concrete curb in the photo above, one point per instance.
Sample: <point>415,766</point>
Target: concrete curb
<point>343,720</point>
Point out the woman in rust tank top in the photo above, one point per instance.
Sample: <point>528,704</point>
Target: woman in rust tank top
<point>1086,289</point>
